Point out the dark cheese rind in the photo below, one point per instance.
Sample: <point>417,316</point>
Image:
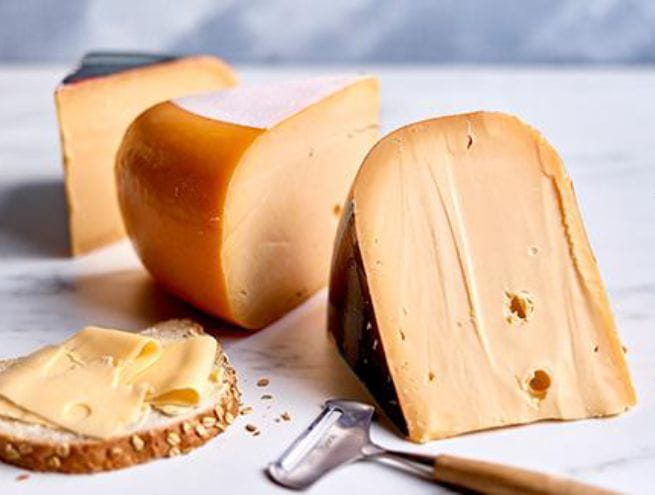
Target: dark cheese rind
<point>98,64</point>
<point>352,322</point>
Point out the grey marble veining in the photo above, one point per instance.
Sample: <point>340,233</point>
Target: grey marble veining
<point>599,120</point>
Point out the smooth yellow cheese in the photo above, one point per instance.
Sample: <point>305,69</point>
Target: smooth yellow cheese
<point>100,381</point>
<point>9,410</point>
<point>132,352</point>
<point>464,290</point>
<point>181,374</point>
<point>232,198</point>
<point>84,398</point>
<point>93,115</point>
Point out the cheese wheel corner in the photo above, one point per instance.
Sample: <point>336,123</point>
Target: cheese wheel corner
<point>464,293</point>
<point>95,104</point>
<point>232,198</point>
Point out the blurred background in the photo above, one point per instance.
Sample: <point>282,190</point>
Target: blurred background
<point>336,31</point>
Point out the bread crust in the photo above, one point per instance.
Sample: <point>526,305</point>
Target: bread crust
<point>180,436</point>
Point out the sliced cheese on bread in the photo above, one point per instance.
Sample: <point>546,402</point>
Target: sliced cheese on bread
<point>464,291</point>
<point>61,444</point>
<point>232,198</point>
<point>87,398</point>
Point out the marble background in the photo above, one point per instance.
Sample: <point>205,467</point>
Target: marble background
<point>354,31</point>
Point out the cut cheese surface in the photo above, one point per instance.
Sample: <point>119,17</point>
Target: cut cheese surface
<point>232,199</point>
<point>262,106</point>
<point>95,106</point>
<point>464,292</point>
<point>101,381</point>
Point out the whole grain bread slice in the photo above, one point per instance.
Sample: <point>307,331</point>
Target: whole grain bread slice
<point>40,448</point>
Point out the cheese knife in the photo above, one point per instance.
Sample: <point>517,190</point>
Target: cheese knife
<point>340,435</point>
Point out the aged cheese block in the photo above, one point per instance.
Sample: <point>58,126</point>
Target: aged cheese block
<point>464,292</point>
<point>232,198</point>
<point>94,106</point>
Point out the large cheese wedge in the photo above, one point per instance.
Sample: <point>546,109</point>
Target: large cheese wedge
<point>95,105</point>
<point>232,199</point>
<point>464,292</point>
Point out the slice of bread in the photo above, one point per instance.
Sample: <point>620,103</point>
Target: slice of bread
<point>159,435</point>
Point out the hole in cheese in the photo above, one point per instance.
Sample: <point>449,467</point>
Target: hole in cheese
<point>520,306</point>
<point>78,412</point>
<point>539,383</point>
<point>336,210</point>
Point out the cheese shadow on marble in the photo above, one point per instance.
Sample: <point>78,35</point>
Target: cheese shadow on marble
<point>126,298</point>
<point>33,220</point>
<point>297,350</point>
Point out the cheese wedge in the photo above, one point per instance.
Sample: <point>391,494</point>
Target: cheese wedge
<point>95,105</point>
<point>232,198</point>
<point>464,292</point>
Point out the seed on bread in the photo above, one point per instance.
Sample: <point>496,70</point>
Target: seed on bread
<point>54,462</point>
<point>201,431</point>
<point>116,452</point>
<point>218,410</point>
<point>229,417</point>
<point>11,453</point>
<point>25,448</point>
<point>137,443</point>
<point>263,382</point>
<point>186,427</point>
<point>173,438</point>
<point>62,450</point>
<point>174,451</point>
<point>209,421</point>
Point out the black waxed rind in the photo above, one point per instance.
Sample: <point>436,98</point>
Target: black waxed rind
<point>353,325</point>
<point>99,64</point>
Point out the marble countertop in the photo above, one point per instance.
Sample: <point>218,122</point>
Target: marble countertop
<point>601,120</point>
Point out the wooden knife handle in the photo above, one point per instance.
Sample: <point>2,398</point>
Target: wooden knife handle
<point>499,479</point>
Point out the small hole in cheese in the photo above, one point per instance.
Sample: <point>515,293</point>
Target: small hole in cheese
<point>539,383</point>
<point>470,142</point>
<point>431,377</point>
<point>336,210</point>
<point>533,251</point>
<point>519,306</point>
<point>78,412</point>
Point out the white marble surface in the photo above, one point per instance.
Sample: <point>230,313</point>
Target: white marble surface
<point>602,122</point>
